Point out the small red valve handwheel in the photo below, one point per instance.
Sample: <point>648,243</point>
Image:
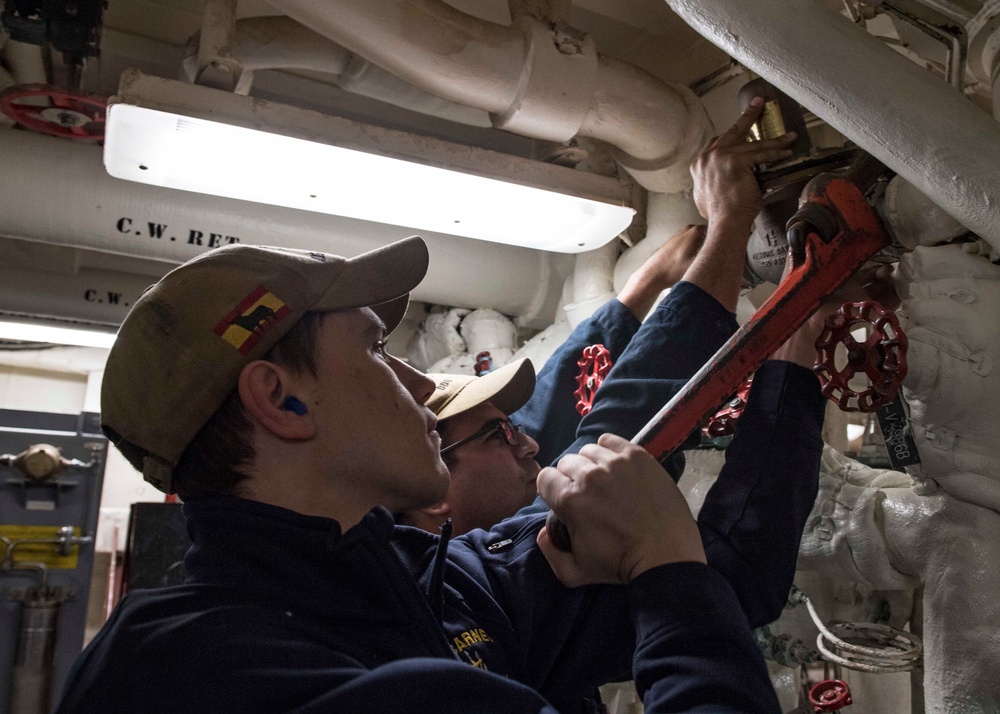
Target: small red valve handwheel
<point>881,356</point>
<point>484,363</point>
<point>56,111</point>
<point>830,695</point>
<point>594,364</point>
<point>724,421</point>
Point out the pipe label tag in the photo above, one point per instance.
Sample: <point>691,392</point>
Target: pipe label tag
<point>896,433</point>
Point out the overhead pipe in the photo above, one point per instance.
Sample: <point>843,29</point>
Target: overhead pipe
<point>98,212</point>
<point>545,82</point>
<point>278,42</point>
<point>271,42</point>
<point>922,128</point>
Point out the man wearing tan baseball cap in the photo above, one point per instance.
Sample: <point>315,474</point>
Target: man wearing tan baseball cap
<point>493,468</point>
<point>255,383</point>
<point>493,457</point>
<point>180,353</point>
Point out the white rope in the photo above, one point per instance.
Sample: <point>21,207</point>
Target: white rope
<point>865,646</point>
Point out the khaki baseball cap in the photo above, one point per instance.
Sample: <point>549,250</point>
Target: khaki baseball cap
<point>180,349</point>
<point>508,388</point>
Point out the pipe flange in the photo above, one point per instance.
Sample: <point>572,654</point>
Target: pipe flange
<point>555,87</point>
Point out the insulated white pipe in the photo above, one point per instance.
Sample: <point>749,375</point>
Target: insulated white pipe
<point>592,274</point>
<point>593,282</point>
<point>268,42</point>
<point>913,219</point>
<point>530,85</point>
<point>272,42</point>
<point>916,124</point>
<point>278,42</point>
<point>665,215</point>
<point>61,360</point>
<point>216,66</point>
<point>436,47</point>
<point>25,62</point>
<point>95,211</point>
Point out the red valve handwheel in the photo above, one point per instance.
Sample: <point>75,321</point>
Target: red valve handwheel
<point>724,421</point>
<point>830,695</point>
<point>484,363</point>
<point>594,364</point>
<point>56,111</point>
<point>881,356</point>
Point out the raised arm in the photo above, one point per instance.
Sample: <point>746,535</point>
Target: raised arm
<point>550,416</point>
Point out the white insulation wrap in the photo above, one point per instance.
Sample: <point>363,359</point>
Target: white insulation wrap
<point>868,526</point>
<point>913,219</point>
<point>950,303</point>
<point>915,123</point>
<point>61,194</point>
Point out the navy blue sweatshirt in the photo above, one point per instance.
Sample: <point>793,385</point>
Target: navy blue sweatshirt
<point>752,518</point>
<point>283,612</point>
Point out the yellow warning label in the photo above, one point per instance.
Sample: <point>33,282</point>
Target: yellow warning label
<point>27,550</point>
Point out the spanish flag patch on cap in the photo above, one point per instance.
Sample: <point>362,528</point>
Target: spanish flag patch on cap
<point>251,319</point>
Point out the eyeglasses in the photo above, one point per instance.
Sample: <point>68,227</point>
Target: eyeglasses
<point>508,430</point>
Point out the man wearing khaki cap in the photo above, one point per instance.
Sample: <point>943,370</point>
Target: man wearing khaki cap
<point>255,383</point>
<point>300,593</point>
<point>491,451</point>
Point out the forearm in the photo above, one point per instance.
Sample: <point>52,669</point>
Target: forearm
<point>754,514</point>
<point>684,331</point>
<point>718,267</point>
<point>550,416</point>
<point>662,270</point>
<point>694,649</point>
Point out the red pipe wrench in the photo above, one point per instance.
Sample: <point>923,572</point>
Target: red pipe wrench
<point>832,235</point>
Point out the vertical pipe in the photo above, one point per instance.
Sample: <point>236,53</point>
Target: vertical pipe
<point>217,66</point>
<point>31,684</point>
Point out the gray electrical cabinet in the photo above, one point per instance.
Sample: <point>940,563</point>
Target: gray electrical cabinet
<point>51,472</point>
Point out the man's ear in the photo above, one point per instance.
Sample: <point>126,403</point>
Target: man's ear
<point>264,387</point>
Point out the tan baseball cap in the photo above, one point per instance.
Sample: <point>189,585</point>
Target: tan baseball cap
<point>180,349</point>
<point>508,388</point>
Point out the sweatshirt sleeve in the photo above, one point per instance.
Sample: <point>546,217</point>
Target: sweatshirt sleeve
<point>694,651</point>
<point>685,330</point>
<point>752,519</point>
<point>550,416</point>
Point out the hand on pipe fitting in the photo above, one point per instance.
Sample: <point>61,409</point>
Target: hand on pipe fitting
<point>724,180</point>
<point>622,511</point>
<point>727,194</point>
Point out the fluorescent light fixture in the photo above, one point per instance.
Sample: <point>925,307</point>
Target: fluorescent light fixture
<point>183,148</point>
<point>51,334</point>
